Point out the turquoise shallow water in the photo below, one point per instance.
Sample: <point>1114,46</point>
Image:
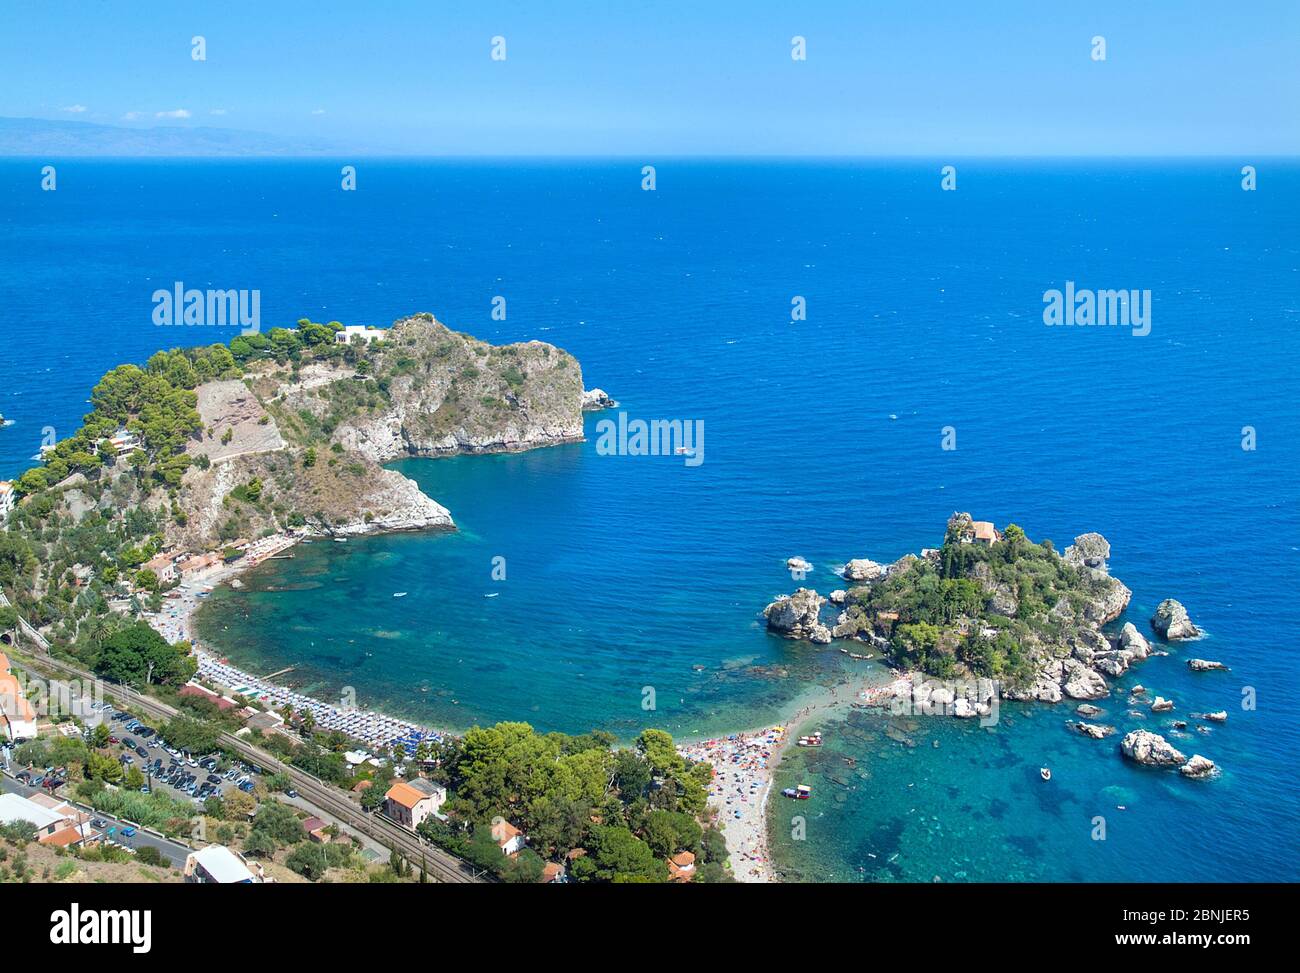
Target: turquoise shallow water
<point>569,640</point>
<point>624,573</point>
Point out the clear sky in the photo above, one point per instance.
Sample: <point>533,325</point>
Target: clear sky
<point>709,77</point>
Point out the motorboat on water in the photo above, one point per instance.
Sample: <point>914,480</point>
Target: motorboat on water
<point>1045,773</point>
<point>800,793</point>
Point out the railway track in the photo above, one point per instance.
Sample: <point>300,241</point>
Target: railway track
<point>439,865</point>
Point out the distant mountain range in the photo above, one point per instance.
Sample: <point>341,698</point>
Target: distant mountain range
<point>40,137</point>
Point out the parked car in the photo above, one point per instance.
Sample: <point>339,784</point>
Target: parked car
<point>128,832</point>
<point>290,793</point>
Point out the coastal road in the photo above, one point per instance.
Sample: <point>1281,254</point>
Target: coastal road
<point>333,803</point>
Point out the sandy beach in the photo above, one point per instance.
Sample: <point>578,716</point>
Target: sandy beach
<point>745,765</point>
<point>176,623</point>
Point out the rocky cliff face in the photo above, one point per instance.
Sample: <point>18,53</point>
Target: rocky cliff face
<point>451,393</point>
<point>290,446</point>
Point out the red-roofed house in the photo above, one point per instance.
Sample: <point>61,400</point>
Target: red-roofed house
<point>317,830</point>
<point>508,838</point>
<point>409,803</point>
<point>681,867</point>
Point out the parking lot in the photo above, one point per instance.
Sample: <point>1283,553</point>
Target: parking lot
<point>168,770</point>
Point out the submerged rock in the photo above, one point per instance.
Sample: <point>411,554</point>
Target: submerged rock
<point>1097,731</point>
<point>1087,709</point>
<point>1150,749</point>
<point>1172,622</point>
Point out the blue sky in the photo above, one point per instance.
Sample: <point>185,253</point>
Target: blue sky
<point>1004,77</point>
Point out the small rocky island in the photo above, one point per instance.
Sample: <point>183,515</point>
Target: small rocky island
<point>991,613</point>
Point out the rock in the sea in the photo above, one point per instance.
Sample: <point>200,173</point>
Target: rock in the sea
<point>861,569</point>
<point>797,616</point>
<point>1087,709</point>
<point>1133,641</point>
<point>1110,601</point>
<point>1197,767</point>
<point>593,400</point>
<point>837,596</point>
<point>1205,665</point>
<point>1161,705</point>
<point>1151,749</point>
<point>1089,551</point>
<point>1172,622</point>
<point>1095,730</point>
<point>1138,690</point>
<point>798,563</point>
<point>1085,683</point>
<point>1220,717</point>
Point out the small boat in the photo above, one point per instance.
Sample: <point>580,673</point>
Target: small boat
<point>492,594</point>
<point>811,741</point>
<point>684,451</point>
<point>1045,773</point>
<point>340,540</point>
<point>399,594</point>
<point>800,793</point>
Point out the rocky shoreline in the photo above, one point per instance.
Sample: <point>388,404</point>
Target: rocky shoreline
<point>1066,652</point>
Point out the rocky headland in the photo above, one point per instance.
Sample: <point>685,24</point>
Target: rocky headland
<point>288,431</point>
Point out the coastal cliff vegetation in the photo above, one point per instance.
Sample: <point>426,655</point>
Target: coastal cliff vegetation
<point>612,815</point>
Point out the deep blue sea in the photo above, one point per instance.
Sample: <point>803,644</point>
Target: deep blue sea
<point>823,436</point>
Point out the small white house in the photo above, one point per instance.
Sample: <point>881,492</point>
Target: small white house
<point>124,441</point>
<point>217,865</point>
<point>508,838</point>
<point>368,332</point>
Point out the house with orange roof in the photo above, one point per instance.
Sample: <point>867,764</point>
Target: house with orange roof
<point>681,867</point>
<point>508,838</point>
<point>317,829</point>
<point>163,566</point>
<point>552,873</point>
<point>985,532</point>
<point>17,715</point>
<point>409,802</point>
